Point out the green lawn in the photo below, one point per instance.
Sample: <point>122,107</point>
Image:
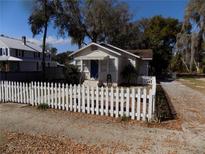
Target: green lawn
<point>194,83</point>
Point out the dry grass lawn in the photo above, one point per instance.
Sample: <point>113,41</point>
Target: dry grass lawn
<point>194,83</point>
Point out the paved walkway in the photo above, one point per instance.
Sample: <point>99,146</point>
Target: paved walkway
<point>104,133</point>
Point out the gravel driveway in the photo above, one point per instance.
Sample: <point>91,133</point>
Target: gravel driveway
<point>113,136</point>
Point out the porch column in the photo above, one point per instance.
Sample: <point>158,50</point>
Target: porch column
<point>81,65</point>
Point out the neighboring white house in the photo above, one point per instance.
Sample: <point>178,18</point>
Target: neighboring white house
<point>20,55</point>
<point>99,62</point>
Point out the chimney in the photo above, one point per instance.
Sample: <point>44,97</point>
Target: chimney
<point>24,40</point>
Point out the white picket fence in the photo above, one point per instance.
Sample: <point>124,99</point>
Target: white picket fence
<point>137,102</point>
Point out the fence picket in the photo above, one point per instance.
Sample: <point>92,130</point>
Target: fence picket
<point>97,101</point>
<point>66,95</point>
<point>48,94</point>
<point>71,99</point>
<point>63,97</point>
<point>88,100</point>
<point>144,104</point>
<point>133,103</point>
<point>102,101</point>
<point>128,102</point>
<point>122,102</point>
<point>75,105</point>
<point>92,100</point>
<point>56,96</point>
<point>83,99</point>
<point>79,98</point>
<point>106,102</point>
<point>59,96</point>
<point>52,96</point>
<point>111,102</point>
<point>138,103</point>
<point>117,103</point>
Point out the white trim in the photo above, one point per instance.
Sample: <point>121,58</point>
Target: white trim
<point>122,50</point>
<point>96,45</point>
<point>91,58</point>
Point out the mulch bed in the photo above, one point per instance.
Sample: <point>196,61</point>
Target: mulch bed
<point>25,143</point>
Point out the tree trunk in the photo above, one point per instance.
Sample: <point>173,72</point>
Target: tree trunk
<point>44,42</point>
<point>192,52</point>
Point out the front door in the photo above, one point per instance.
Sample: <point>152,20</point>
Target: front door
<point>94,69</point>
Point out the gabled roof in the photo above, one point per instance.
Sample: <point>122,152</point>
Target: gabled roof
<point>118,49</point>
<point>145,54</point>
<point>117,53</point>
<point>18,44</point>
<point>107,47</point>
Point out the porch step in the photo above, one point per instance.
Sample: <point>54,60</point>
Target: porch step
<point>90,83</point>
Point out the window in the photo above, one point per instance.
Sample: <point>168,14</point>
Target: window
<point>0,51</point>
<point>22,53</point>
<point>16,52</point>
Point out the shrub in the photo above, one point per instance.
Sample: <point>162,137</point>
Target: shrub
<point>129,73</point>
<point>72,74</point>
<point>125,118</point>
<point>43,106</point>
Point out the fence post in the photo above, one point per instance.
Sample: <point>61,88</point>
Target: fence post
<point>150,105</point>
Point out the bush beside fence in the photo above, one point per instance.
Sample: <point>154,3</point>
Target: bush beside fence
<point>137,103</point>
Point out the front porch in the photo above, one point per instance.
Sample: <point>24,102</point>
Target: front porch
<point>98,70</point>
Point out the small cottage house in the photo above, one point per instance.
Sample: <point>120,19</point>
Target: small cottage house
<point>104,62</point>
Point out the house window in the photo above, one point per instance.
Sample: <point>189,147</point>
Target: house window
<point>16,52</point>
<point>22,53</point>
<point>0,51</point>
<point>6,51</point>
